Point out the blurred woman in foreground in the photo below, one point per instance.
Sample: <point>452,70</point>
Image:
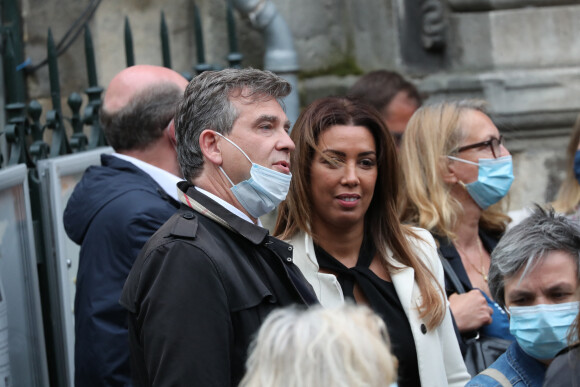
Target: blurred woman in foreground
<point>340,347</point>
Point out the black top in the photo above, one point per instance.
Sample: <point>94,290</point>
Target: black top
<point>383,299</point>
<point>448,252</point>
<point>198,292</point>
<point>565,369</point>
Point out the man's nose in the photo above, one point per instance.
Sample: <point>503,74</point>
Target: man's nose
<point>285,142</point>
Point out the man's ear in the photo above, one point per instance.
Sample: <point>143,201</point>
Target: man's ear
<point>208,142</point>
<point>171,132</point>
<point>447,170</point>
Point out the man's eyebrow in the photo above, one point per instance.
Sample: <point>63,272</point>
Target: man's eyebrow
<point>266,118</point>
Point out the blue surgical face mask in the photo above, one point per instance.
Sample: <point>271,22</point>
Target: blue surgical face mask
<point>577,165</point>
<point>495,177</point>
<point>263,191</point>
<point>542,330</point>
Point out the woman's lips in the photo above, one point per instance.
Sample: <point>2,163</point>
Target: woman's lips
<point>348,200</point>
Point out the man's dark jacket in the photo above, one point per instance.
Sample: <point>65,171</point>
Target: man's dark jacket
<point>199,291</point>
<point>112,212</point>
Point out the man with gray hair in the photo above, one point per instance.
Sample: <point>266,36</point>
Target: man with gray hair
<point>534,274</point>
<point>205,282</point>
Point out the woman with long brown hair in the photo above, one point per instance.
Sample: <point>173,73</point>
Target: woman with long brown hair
<point>341,217</point>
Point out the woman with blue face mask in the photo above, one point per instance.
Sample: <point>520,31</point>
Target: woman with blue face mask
<point>534,273</point>
<point>568,199</point>
<point>456,170</point>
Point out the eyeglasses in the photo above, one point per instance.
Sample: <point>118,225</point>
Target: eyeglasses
<point>494,144</point>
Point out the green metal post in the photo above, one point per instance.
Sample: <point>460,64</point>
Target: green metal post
<point>91,113</point>
<point>129,53</point>
<point>78,141</point>
<point>35,111</point>
<point>166,52</point>
<point>15,109</point>
<point>200,49</point>
<point>90,58</point>
<point>53,73</point>
<point>60,145</point>
<point>38,149</point>
<point>10,63</point>
<point>11,25</point>
<point>16,137</point>
<point>234,57</point>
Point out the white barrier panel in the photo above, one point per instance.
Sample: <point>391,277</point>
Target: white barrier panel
<point>58,178</point>
<point>22,348</point>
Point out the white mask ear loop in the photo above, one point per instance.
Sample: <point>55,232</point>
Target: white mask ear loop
<point>225,174</point>
<point>234,144</point>
<point>463,161</point>
<point>240,149</point>
<point>460,160</point>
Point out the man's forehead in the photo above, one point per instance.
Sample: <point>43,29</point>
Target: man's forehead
<point>257,104</point>
<point>247,96</point>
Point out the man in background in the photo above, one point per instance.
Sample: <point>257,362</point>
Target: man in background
<point>115,208</point>
<point>393,96</point>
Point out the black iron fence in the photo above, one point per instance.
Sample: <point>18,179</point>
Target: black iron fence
<point>23,121</point>
<point>35,182</point>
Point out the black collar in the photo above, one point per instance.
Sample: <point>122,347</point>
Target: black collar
<point>248,230</point>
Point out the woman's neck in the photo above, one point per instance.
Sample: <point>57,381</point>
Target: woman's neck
<point>467,233</point>
<point>342,243</point>
<point>467,228</point>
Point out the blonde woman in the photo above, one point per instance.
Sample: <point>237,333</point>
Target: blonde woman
<point>456,170</point>
<point>568,199</point>
<point>340,215</point>
<point>340,347</point>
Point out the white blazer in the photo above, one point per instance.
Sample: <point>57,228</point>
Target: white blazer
<point>438,355</point>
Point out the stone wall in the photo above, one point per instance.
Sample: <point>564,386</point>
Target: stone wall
<point>521,56</point>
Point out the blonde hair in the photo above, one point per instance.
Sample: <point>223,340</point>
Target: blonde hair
<point>381,219</point>
<point>433,133</point>
<point>344,346</point>
<point>569,194</point>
